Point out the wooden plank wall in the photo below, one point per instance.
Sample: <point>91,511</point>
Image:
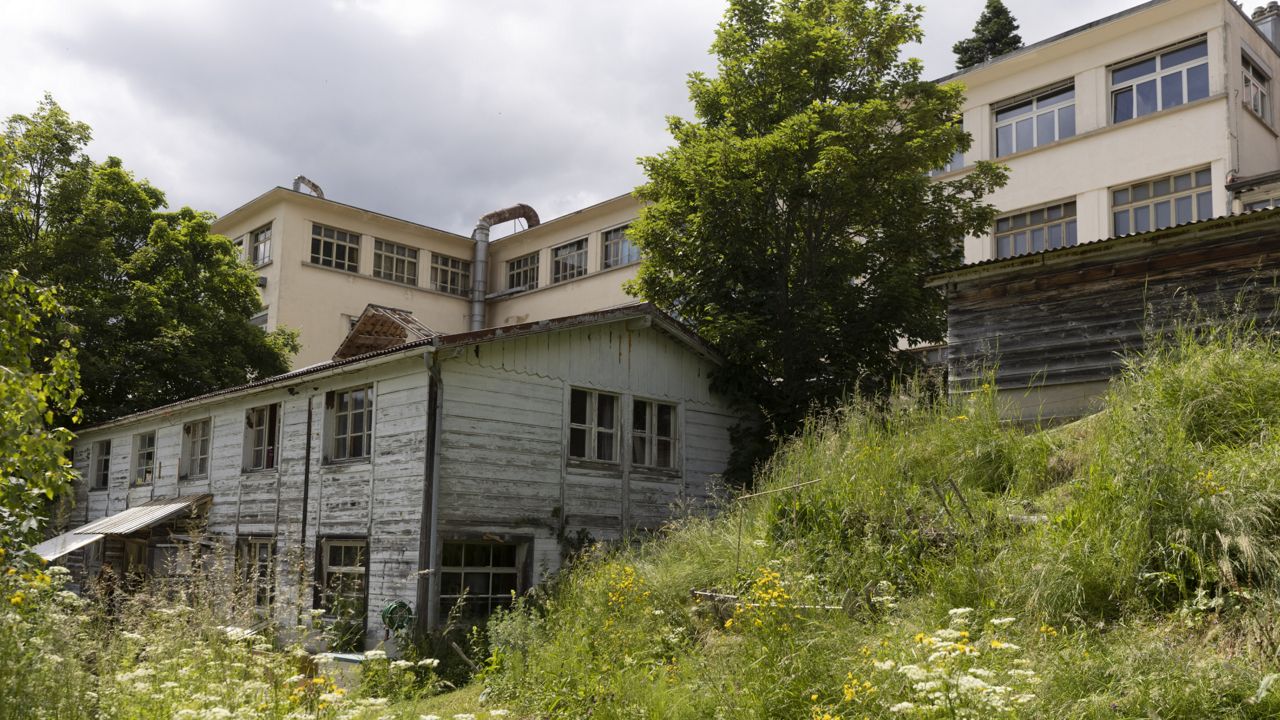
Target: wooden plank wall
<point>1074,323</point>
<point>379,498</point>
<point>503,463</point>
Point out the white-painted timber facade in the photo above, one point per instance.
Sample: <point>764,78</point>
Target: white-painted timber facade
<point>468,449</point>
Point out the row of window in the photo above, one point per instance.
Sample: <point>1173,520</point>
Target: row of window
<point>1138,207</point>
<point>1162,80</point>
<point>594,434</point>
<point>594,429</point>
<point>340,249</point>
<point>484,575</point>
<point>569,261</point>
<point>261,438</point>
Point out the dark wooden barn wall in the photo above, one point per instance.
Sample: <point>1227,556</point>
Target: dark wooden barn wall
<point>1074,323</point>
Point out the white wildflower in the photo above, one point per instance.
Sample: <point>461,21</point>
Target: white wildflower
<point>323,658</point>
<point>1001,622</point>
<point>903,707</point>
<point>132,636</point>
<point>401,664</point>
<point>883,664</point>
<point>1024,698</point>
<point>428,663</point>
<point>969,683</point>
<point>295,679</point>
<point>913,672</point>
<point>1018,672</point>
<point>499,713</point>
<point>330,698</point>
<point>959,612</point>
<point>429,717</point>
<point>375,655</point>
<point>464,716</point>
<point>982,673</point>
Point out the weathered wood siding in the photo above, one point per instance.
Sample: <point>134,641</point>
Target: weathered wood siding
<point>503,446</point>
<point>378,498</point>
<point>1072,323</point>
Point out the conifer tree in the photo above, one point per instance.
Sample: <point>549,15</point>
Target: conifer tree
<point>995,34</point>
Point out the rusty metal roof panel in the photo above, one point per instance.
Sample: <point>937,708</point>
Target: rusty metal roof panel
<point>144,516</point>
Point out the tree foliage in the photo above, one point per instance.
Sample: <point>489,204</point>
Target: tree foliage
<point>792,223</point>
<point>162,306</point>
<point>38,392</point>
<point>995,34</point>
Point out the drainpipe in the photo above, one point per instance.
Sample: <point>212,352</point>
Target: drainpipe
<point>301,180</point>
<point>480,268</point>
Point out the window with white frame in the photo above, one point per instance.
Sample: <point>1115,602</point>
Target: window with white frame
<point>100,465</point>
<point>1257,89</point>
<point>1162,202</point>
<point>335,248</point>
<point>653,434</point>
<point>395,262</point>
<point>257,567</point>
<point>449,274</point>
<point>1160,81</point>
<point>1266,204</point>
<point>522,272</point>
<point>569,261</point>
<point>260,246</point>
<point>486,574</point>
<point>144,458</point>
<point>344,565</point>
<point>1029,122</point>
<point>593,426</point>
<point>351,422</point>
<point>1044,228</point>
<point>194,461</point>
<point>261,435</point>
<point>617,248</point>
<point>239,243</point>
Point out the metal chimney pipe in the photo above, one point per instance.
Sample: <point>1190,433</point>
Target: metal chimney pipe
<point>301,180</point>
<point>480,266</point>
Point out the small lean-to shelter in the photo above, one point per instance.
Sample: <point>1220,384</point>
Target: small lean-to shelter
<point>1053,327</point>
<point>416,468</point>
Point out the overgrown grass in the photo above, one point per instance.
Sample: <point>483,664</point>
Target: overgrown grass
<point>1124,566</point>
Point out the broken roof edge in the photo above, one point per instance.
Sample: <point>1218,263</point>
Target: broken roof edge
<point>1186,232</point>
<point>661,320</point>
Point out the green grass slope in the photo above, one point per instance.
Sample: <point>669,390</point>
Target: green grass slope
<point>934,562</point>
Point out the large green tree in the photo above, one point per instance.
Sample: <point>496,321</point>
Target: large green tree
<point>160,304</point>
<point>38,395</point>
<point>995,34</point>
<point>792,223</point>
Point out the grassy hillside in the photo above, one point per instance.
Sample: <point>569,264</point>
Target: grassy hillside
<point>933,562</point>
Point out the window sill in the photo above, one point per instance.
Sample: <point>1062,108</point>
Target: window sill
<point>392,283</point>
<point>508,294</point>
<point>262,264</point>
<point>345,462</point>
<point>599,465</point>
<point>1248,111</point>
<point>655,472</point>
<point>99,489</point>
<point>1109,127</point>
<point>262,472</point>
<point>193,478</point>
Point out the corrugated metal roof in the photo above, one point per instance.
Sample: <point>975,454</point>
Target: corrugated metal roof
<point>1096,245</point>
<point>144,516</point>
<point>56,547</point>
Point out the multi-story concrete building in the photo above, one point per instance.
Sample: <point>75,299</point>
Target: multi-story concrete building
<point>1159,115</point>
<point>320,262</point>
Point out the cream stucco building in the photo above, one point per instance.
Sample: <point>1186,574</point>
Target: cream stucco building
<point>321,262</point>
<point>1156,116</point>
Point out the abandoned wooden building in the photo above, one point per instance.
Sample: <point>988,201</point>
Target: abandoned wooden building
<point>414,464</point>
<point>1055,326</point>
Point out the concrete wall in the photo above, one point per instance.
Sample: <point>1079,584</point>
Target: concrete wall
<point>1213,132</point>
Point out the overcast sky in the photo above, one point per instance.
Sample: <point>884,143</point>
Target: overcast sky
<point>436,111</point>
